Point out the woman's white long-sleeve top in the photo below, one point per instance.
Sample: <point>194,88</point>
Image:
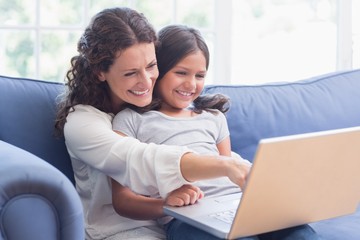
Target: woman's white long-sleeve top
<point>97,152</point>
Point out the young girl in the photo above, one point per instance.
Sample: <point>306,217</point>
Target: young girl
<point>178,115</point>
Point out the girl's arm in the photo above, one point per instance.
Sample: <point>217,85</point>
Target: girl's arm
<point>224,147</point>
<point>131,205</point>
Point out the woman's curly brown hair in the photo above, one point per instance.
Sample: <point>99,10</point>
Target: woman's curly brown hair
<point>109,33</point>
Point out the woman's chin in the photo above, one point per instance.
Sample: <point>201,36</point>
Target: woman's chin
<point>142,103</point>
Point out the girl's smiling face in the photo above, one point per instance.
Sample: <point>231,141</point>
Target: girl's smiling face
<point>182,84</point>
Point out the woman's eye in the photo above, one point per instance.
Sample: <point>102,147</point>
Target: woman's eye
<point>129,74</point>
<point>152,65</point>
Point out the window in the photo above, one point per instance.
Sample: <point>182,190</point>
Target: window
<point>250,41</point>
<point>275,41</point>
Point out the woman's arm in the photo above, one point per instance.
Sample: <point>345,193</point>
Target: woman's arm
<point>196,167</point>
<point>131,205</point>
<point>91,140</point>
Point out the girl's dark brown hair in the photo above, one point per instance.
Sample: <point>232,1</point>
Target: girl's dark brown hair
<point>110,32</point>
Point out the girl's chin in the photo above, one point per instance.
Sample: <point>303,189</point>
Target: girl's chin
<point>181,106</point>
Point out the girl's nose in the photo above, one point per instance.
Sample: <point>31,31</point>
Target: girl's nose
<point>191,82</point>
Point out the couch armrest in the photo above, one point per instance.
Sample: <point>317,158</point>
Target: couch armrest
<point>37,201</point>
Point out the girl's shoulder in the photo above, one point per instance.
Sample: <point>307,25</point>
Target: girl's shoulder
<point>213,112</point>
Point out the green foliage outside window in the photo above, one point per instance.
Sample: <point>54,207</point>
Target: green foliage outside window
<point>39,37</point>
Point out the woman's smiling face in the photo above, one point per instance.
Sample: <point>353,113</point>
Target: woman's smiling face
<point>132,76</point>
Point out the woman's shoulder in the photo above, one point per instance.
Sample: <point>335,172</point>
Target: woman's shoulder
<point>88,112</point>
<point>85,120</point>
<point>85,108</point>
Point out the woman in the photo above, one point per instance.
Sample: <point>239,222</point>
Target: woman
<point>115,68</point>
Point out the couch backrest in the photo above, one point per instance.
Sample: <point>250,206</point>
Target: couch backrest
<point>27,112</point>
<point>321,103</point>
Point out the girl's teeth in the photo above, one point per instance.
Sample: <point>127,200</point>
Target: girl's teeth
<point>184,93</point>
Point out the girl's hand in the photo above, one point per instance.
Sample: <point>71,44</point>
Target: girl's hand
<point>184,195</point>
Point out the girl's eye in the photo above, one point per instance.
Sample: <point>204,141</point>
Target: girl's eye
<point>181,73</point>
<point>200,75</point>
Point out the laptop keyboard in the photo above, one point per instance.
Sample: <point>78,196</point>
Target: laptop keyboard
<point>225,216</point>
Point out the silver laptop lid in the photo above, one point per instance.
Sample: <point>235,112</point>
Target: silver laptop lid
<point>300,179</point>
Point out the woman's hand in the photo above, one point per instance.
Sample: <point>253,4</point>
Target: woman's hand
<point>195,167</point>
<point>238,170</point>
<point>184,195</point>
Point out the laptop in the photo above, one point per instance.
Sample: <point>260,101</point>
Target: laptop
<point>294,180</point>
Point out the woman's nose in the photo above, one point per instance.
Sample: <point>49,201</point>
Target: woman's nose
<point>146,78</point>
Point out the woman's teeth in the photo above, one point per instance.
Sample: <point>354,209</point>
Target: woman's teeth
<point>139,92</point>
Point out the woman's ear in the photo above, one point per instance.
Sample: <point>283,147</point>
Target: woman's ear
<point>101,76</point>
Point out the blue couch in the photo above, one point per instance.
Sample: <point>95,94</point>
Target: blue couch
<point>37,198</point>
<point>37,194</point>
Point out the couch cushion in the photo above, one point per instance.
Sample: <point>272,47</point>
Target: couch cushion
<point>321,103</point>
<point>344,228</point>
<point>27,110</point>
